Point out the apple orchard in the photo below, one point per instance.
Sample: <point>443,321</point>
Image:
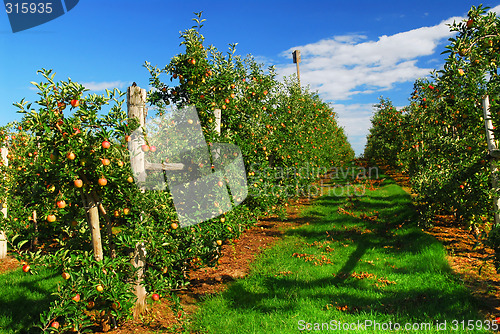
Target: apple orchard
<point>440,141</point>
<point>73,203</point>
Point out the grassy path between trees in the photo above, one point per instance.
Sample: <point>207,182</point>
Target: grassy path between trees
<point>359,262</point>
<point>350,261</point>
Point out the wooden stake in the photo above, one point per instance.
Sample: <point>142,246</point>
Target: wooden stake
<point>3,237</point>
<point>494,152</point>
<point>136,104</point>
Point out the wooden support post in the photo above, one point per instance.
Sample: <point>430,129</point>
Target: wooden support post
<point>494,152</point>
<point>136,104</point>
<point>296,60</point>
<point>3,237</point>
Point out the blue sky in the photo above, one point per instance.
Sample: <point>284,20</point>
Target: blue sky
<point>353,52</point>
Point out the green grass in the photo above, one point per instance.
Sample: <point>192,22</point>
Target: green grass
<point>23,297</point>
<point>407,278</point>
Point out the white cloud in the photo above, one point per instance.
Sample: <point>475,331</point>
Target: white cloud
<point>99,86</point>
<point>495,9</point>
<point>344,66</point>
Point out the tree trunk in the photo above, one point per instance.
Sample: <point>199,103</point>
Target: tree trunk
<point>95,229</point>
<point>139,261</point>
<point>34,240</point>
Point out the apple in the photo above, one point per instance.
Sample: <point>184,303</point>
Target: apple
<point>152,148</point>
<point>75,103</point>
<point>192,61</point>
<point>61,204</point>
<point>78,183</point>
<point>130,179</point>
<point>65,275</point>
<point>106,144</point>
<point>127,138</point>
<point>51,218</point>
<point>99,288</point>
<point>102,181</point>
<point>461,71</point>
<point>190,121</point>
<point>155,297</point>
<point>126,211</point>
<point>174,226</point>
<point>220,183</point>
<point>219,242</point>
<point>105,162</point>
<point>264,92</point>
<point>26,268</point>
<point>227,101</point>
<point>120,163</point>
<point>76,298</point>
<point>145,148</point>
<point>54,325</point>
<point>470,23</point>
<point>61,105</point>
<point>222,219</point>
<point>116,213</point>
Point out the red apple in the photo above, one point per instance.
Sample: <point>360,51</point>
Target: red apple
<point>105,162</point>
<point>65,275</point>
<point>130,179</point>
<point>174,226</point>
<point>227,101</point>
<point>99,288</point>
<point>155,297</point>
<point>102,181</point>
<point>470,23</point>
<point>54,325</point>
<point>145,148</point>
<point>71,156</point>
<point>152,148</point>
<point>106,144</point>
<point>61,204</point>
<point>26,268</point>
<point>78,183</point>
<point>75,103</point>
<point>51,218</point>
<point>76,298</point>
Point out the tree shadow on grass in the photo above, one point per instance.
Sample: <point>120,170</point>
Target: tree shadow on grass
<point>20,310</point>
<point>391,231</point>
